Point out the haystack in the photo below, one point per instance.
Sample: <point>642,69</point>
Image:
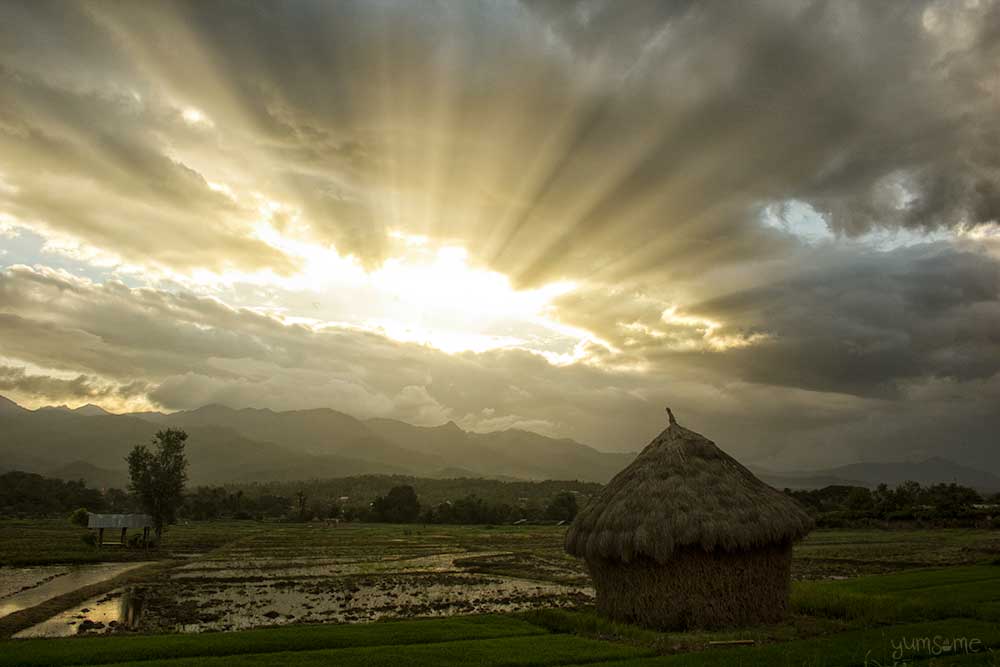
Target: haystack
<point>687,537</point>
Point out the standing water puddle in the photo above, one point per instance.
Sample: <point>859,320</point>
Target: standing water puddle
<point>230,594</point>
<point>121,607</point>
<point>240,605</point>
<point>36,585</point>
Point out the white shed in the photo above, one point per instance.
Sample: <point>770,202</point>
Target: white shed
<point>120,522</point>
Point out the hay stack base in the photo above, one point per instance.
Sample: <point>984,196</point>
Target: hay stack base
<point>696,589</point>
<point>686,537</point>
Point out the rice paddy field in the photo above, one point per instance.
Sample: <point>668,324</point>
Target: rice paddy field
<point>382,594</point>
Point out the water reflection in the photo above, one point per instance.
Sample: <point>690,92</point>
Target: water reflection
<point>44,583</point>
<point>228,595</point>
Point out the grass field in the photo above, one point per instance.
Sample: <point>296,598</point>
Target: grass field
<point>915,586</point>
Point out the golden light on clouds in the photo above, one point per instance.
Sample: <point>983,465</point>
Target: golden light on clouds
<point>517,209</point>
<point>195,117</point>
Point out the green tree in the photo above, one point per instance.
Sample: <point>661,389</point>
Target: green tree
<point>907,495</point>
<point>400,505</point>
<point>80,517</point>
<point>300,500</point>
<point>951,500</point>
<point>562,508</point>
<point>118,502</point>
<point>158,475</point>
<point>860,500</point>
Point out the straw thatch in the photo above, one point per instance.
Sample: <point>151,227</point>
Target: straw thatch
<point>697,589</point>
<point>686,536</point>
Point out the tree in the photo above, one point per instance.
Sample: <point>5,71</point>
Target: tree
<point>80,517</point>
<point>951,500</point>
<point>118,502</point>
<point>859,500</point>
<point>562,508</point>
<point>907,495</point>
<point>158,476</point>
<point>400,505</point>
<point>23,493</point>
<point>300,500</point>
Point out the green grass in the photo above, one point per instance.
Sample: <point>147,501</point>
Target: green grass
<point>877,646</point>
<point>56,541</point>
<point>494,640</point>
<point>969,592</point>
<point>590,624</point>
<point>89,651</point>
<point>544,650</point>
<point>485,640</point>
<point>990,658</point>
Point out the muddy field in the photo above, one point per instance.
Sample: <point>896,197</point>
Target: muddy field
<point>278,574</point>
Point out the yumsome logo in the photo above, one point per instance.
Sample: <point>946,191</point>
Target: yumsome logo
<point>905,649</point>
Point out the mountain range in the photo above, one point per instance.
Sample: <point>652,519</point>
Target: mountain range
<point>930,471</point>
<point>243,445</point>
<point>228,445</point>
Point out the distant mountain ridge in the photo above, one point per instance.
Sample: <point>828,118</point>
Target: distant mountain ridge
<point>250,444</point>
<point>935,470</point>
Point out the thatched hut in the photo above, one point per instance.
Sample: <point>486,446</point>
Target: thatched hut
<point>686,537</point>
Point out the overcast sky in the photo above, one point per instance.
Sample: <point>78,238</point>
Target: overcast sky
<point>779,218</point>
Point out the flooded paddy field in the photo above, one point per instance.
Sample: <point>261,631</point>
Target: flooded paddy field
<point>26,587</point>
<point>318,573</point>
<point>251,574</point>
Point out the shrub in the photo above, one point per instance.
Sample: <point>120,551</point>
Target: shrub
<point>79,517</point>
<point>90,539</point>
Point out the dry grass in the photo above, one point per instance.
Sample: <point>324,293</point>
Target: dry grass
<point>683,491</point>
<point>697,589</point>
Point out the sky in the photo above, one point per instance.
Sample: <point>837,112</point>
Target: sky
<point>781,219</point>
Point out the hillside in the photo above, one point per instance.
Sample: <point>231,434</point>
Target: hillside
<point>931,471</point>
<point>58,443</point>
<point>393,446</point>
<point>228,445</point>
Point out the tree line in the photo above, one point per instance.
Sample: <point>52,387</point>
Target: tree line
<point>157,472</point>
<point>401,504</point>
<point>158,475</point>
<point>936,504</point>
<point>24,494</point>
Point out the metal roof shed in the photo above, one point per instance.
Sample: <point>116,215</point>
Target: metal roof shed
<point>120,522</point>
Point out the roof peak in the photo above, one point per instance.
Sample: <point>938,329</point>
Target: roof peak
<point>681,491</point>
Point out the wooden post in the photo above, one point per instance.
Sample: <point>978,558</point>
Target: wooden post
<point>100,538</point>
<point>145,538</point>
<point>124,530</point>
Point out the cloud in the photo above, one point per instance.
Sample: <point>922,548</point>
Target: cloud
<point>868,323</point>
<point>633,152</point>
<point>80,388</point>
<point>180,351</point>
<point>554,140</point>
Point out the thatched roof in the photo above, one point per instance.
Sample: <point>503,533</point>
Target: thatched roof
<point>683,491</point>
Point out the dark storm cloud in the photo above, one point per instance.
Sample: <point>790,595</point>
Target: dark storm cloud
<point>213,353</point>
<point>553,138</point>
<point>630,147</point>
<point>871,322</point>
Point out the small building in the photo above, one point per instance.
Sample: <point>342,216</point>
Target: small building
<point>686,537</point>
<point>119,524</point>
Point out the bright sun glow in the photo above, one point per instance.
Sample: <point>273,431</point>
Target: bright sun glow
<point>426,293</point>
<point>194,116</point>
